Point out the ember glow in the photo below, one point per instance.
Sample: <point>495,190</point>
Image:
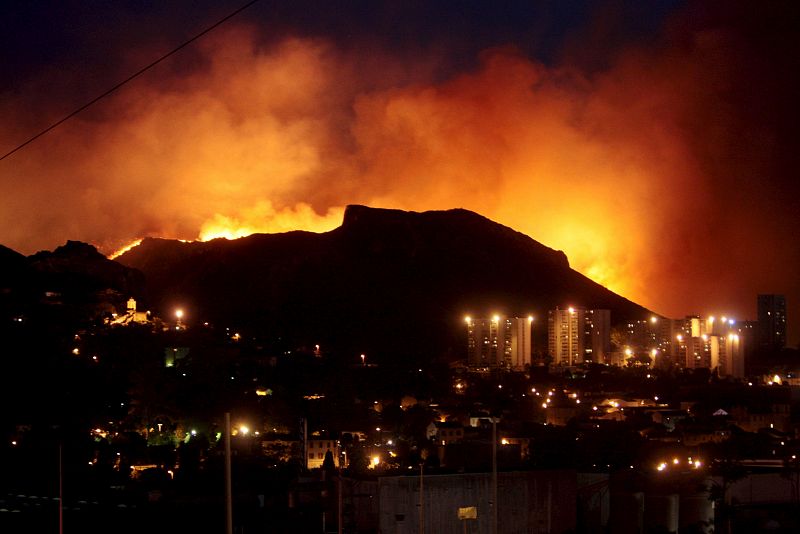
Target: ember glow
<point>660,173</point>
<point>122,250</point>
<point>263,218</point>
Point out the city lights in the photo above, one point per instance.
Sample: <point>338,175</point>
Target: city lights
<point>676,462</point>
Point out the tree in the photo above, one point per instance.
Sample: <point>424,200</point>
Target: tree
<point>328,464</point>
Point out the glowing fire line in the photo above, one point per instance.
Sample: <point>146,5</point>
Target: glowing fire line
<point>119,252</point>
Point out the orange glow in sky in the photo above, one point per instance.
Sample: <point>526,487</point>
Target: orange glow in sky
<point>278,137</point>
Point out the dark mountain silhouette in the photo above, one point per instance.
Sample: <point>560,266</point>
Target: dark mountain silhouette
<point>390,283</point>
<point>75,277</point>
<point>14,269</point>
<point>17,282</point>
<point>78,267</point>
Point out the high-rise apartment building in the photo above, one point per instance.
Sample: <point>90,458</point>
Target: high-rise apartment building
<point>771,322</point>
<point>748,336</point>
<point>712,343</point>
<point>576,335</point>
<point>499,342</point>
<point>519,354</point>
<point>598,332</point>
<point>654,335</point>
<point>566,339</point>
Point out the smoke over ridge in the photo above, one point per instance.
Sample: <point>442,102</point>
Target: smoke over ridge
<point>647,171</point>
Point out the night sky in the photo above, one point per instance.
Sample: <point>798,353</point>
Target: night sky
<point>653,142</point>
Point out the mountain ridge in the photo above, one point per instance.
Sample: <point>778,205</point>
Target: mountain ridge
<point>354,286</point>
<point>390,282</point>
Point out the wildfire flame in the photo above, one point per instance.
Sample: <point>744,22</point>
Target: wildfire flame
<point>601,165</point>
<point>264,218</point>
<point>119,252</point>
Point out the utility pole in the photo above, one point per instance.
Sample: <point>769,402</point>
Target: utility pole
<point>228,486</point>
<point>339,504</point>
<point>421,500</point>
<point>494,475</point>
<point>60,491</point>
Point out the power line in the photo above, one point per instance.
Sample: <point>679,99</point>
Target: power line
<point>129,78</point>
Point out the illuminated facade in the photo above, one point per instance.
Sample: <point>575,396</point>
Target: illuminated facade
<point>653,335</point>
<point>499,342</point>
<point>317,449</point>
<point>576,335</point>
<point>712,343</point>
<point>566,339</point>
<point>131,315</point>
<point>771,322</point>
<point>598,333</point>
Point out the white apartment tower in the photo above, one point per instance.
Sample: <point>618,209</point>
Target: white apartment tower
<point>499,342</point>
<point>712,343</point>
<point>566,340</point>
<point>576,335</point>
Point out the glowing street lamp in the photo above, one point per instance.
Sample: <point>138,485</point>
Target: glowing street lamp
<point>363,359</point>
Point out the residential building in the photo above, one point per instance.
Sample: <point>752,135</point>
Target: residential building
<point>317,448</point>
<point>577,335</point>
<point>771,322</point>
<point>499,343</point>
<point>712,343</point>
<point>598,334</point>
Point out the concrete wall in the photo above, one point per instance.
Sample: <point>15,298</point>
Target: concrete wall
<point>529,502</point>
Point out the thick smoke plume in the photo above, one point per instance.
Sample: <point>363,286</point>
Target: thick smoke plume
<point>662,174</point>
